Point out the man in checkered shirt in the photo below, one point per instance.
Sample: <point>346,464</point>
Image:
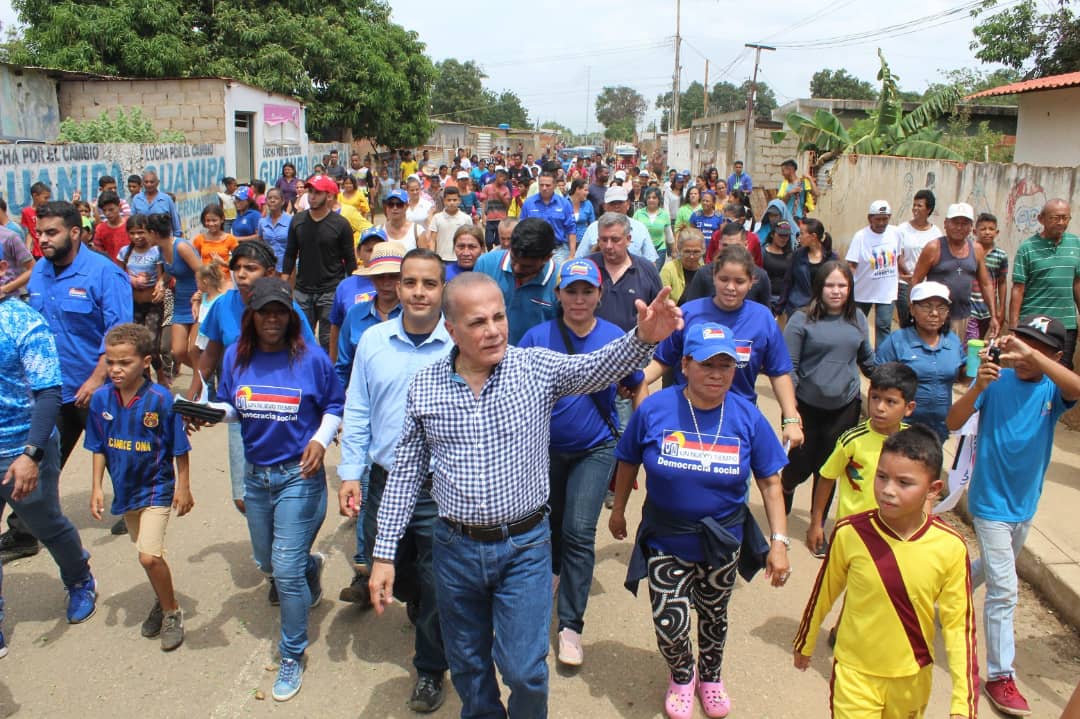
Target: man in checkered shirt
<point>480,420</point>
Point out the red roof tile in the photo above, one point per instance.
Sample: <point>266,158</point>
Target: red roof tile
<point>1053,82</point>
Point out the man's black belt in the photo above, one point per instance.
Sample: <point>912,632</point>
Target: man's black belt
<point>500,532</point>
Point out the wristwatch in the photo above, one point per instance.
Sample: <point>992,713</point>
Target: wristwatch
<point>35,453</point>
<point>783,538</point>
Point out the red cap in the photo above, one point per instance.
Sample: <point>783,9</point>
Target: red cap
<point>322,183</point>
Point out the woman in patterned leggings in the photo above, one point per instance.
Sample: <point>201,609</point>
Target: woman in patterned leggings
<point>699,444</point>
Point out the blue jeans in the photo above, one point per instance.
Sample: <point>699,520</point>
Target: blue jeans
<point>579,481</point>
<point>284,514</point>
<point>414,578</point>
<point>661,258</point>
<point>882,319</point>
<point>41,514</point>
<point>495,603</point>
<point>561,253</point>
<point>999,545</point>
<point>238,465</point>
<point>362,544</point>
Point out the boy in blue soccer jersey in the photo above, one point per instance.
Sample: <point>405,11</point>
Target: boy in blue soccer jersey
<point>134,433</point>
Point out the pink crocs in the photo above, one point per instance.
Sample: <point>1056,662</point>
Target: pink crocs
<point>714,699</point>
<point>679,703</point>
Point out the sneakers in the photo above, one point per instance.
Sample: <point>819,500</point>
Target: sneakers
<point>3,646</point>
<point>427,695</point>
<point>16,546</point>
<point>570,652</point>
<point>316,586</point>
<point>172,630</point>
<point>357,592</point>
<point>290,677</point>
<point>714,699</point>
<point>271,596</point>
<point>1006,698</point>
<point>822,551</point>
<point>152,626</point>
<point>82,601</point>
<point>120,528</point>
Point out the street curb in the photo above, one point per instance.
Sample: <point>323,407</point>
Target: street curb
<point>1046,568</point>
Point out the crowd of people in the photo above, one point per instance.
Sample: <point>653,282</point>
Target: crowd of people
<point>481,336</point>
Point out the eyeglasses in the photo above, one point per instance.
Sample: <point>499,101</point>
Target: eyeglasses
<point>1059,218</point>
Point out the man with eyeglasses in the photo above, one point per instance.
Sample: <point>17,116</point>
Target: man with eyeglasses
<point>1046,274</point>
<point>957,262</point>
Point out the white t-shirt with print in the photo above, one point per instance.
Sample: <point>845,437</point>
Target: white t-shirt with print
<point>877,271</point>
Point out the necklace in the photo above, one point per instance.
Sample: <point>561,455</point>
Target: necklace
<point>693,416</point>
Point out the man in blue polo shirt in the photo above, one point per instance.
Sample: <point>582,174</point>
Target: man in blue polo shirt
<point>526,275</point>
<point>626,277</point>
<point>151,202</point>
<point>81,294</point>
<point>557,211</point>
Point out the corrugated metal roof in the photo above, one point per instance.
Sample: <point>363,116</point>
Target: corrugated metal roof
<point>1053,82</point>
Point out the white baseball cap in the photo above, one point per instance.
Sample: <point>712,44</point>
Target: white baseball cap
<point>616,194</point>
<point>928,289</point>
<point>879,207</point>
<point>620,175</point>
<point>960,209</point>
<point>463,175</point>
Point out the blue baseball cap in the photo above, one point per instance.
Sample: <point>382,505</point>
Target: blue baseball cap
<point>373,233</point>
<point>400,195</point>
<point>708,339</point>
<point>579,271</point>
<point>243,193</point>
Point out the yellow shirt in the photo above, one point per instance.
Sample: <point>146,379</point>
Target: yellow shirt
<point>358,222</point>
<point>887,626</point>
<point>671,275</point>
<point>408,168</point>
<point>809,204</point>
<point>358,200</point>
<point>852,465</point>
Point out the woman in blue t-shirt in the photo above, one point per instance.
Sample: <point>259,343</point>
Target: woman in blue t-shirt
<point>932,350</point>
<point>584,213</point>
<point>288,401</point>
<point>246,224</point>
<point>707,220</point>
<point>181,262</point>
<point>758,338</point>
<point>699,444</point>
<point>582,452</point>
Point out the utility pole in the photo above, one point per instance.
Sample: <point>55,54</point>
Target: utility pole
<point>750,99</point>
<point>705,112</point>
<point>588,78</point>
<point>674,123</point>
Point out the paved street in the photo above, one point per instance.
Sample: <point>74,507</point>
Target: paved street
<point>359,666</point>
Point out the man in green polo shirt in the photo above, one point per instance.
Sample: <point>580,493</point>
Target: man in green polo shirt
<point>1046,274</point>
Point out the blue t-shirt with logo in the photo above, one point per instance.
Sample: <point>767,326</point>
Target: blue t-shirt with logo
<point>1012,450</point>
<point>758,342</point>
<point>707,225</point>
<point>693,475</point>
<point>28,363</point>
<point>139,441</point>
<point>576,424</point>
<point>352,290</point>
<point>281,402</point>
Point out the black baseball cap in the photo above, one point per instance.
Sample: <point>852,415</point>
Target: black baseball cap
<point>267,290</point>
<point>1043,329</point>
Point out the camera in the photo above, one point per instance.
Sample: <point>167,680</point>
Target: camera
<point>994,354</point>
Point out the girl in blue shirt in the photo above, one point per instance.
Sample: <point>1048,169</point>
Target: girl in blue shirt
<point>246,224</point>
<point>288,401</point>
<point>583,435</point>
<point>707,220</point>
<point>699,444</point>
<point>935,353</point>
<point>181,262</point>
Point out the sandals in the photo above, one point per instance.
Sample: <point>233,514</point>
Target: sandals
<point>714,699</point>
<point>679,703</point>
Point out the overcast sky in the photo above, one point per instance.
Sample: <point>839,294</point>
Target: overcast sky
<point>551,58</point>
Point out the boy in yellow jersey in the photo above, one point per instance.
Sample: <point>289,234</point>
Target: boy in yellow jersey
<point>896,562</point>
<point>854,460</point>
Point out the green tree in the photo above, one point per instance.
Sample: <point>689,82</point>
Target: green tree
<point>889,130</point>
<point>970,80</point>
<point>506,108</point>
<point>615,104</point>
<point>132,126</point>
<point>839,84</point>
<point>620,130</point>
<point>350,65</point>
<point>1025,39</point>
<point>724,97</point>
<point>458,92</point>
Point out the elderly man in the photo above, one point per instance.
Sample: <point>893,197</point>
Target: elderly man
<point>149,201</point>
<point>1046,274</point>
<point>616,199</point>
<point>957,262</point>
<point>480,418</point>
<point>557,211</point>
<point>626,277</point>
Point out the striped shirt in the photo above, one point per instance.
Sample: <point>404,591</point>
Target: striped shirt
<point>489,453</point>
<point>997,266</point>
<point>1047,271</point>
<point>887,628</point>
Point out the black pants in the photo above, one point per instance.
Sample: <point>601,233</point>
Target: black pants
<point>1070,348</point>
<point>821,429</point>
<point>70,423</point>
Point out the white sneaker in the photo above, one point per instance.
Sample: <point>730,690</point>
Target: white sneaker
<point>570,652</point>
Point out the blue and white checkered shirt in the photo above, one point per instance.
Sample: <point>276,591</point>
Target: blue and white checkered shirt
<point>489,454</point>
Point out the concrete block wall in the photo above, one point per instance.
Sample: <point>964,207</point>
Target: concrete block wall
<point>764,165</point>
<point>193,107</point>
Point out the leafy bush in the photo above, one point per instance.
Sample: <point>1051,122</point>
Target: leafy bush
<point>130,126</point>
